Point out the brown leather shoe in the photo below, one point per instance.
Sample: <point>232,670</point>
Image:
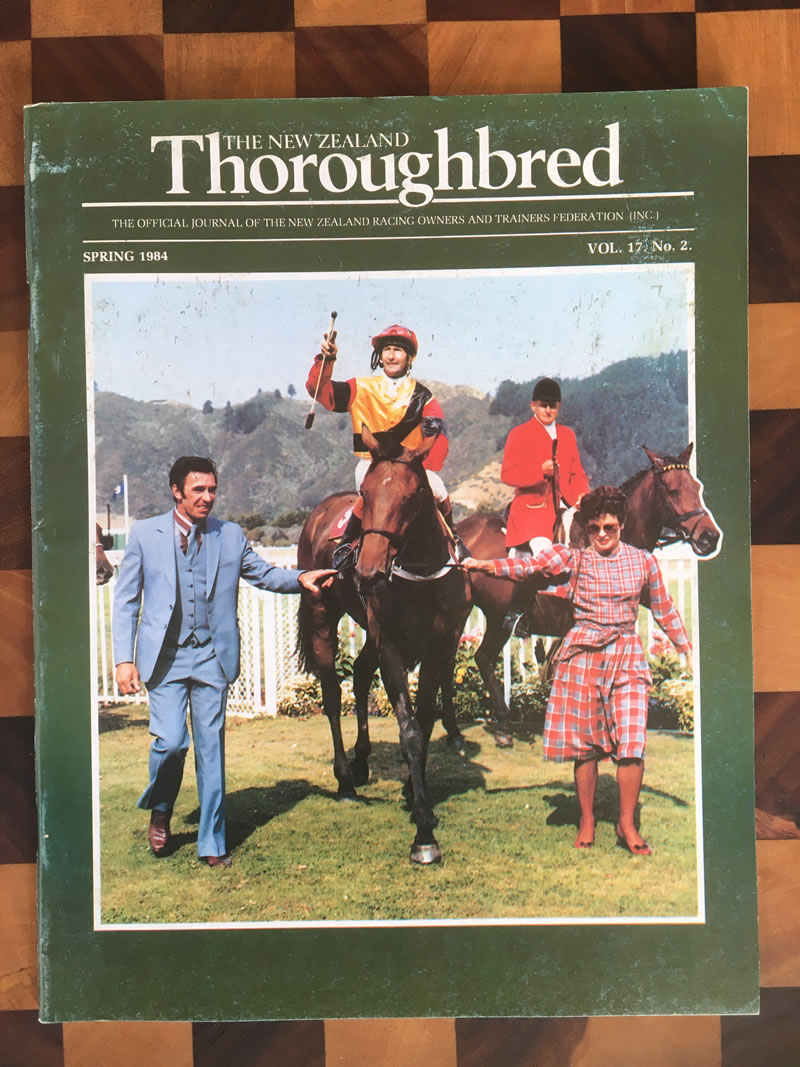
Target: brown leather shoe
<point>218,861</point>
<point>158,833</point>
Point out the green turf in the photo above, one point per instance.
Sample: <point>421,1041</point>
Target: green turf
<point>507,825</point>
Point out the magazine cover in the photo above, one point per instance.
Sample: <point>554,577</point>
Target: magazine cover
<point>391,547</point>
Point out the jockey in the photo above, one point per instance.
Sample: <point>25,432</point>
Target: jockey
<point>541,461</point>
<point>396,408</point>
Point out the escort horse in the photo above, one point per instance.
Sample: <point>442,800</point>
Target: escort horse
<point>412,604</point>
<point>103,570</point>
<point>663,497</point>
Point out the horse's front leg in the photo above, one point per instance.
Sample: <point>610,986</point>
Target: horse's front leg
<point>414,746</point>
<point>449,722</point>
<point>364,668</point>
<point>486,659</point>
<point>324,645</point>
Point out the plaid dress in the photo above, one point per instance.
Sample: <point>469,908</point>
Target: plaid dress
<point>598,703</point>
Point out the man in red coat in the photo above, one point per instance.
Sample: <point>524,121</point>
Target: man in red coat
<point>541,460</point>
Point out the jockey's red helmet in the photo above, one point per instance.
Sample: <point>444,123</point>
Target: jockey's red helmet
<point>407,338</point>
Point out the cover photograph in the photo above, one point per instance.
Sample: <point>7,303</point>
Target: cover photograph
<point>391,557</point>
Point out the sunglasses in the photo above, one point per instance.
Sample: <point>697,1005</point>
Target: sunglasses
<point>609,527</point>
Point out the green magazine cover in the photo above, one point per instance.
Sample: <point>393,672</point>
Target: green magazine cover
<point>474,302</point>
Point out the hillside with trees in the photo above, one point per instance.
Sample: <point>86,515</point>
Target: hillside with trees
<point>273,471</point>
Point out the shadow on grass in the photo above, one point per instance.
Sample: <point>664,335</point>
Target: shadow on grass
<point>247,810</point>
<point>121,716</point>
<point>566,811</point>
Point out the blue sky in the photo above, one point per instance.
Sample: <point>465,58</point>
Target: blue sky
<point>220,338</point>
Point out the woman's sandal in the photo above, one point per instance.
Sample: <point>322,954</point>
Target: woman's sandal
<point>636,850</point>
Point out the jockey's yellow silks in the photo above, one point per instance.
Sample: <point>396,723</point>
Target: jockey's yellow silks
<point>381,403</point>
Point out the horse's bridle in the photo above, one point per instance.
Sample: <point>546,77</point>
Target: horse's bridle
<point>678,533</point>
<point>396,541</point>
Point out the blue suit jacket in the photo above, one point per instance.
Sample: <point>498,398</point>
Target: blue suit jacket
<point>148,572</point>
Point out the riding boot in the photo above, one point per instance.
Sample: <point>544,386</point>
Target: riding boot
<point>344,555</point>
<point>516,621</point>
<point>460,550</point>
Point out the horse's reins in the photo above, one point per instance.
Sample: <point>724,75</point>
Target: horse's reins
<point>679,534</point>
<point>396,570</point>
<point>394,539</point>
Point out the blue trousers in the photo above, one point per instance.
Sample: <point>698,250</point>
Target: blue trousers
<point>189,677</point>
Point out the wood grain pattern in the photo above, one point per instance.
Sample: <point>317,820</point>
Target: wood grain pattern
<point>234,16</point>
<point>362,61</point>
<point>774,485</point>
<point>32,1043</point>
<point>13,285</point>
<point>463,57</point>
<point>758,49</point>
<point>15,92</point>
<point>15,530</point>
<point>777,757</point>
<point>624,7</point>
<point>16,642</point>
<point>778,913</point>
<point>98,68</point>
<point>15,24</point>
<point>14,420</point>
<point>442,46</point>
<point>451,11</point>
<point>358,12</point>
<point>774,355</point>
<point>19,972</point>
<point>94,18</point>
<point>773,1037</point>
<point>628,52</point>
<point>247,64</point>
<point>390,1042</point>
<point>776,621</point>
<point>17,791</point>
<point>290,1044</point>
<point>774,229</point>
<point>133,1044</point>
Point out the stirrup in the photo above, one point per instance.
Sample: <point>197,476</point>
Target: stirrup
<point>516,624</point>
<point>460,550</point>
<point>344,556</point>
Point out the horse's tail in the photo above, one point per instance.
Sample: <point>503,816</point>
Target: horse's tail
<point>303,648</point>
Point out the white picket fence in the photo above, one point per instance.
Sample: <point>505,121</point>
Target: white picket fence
<point>268,628</point>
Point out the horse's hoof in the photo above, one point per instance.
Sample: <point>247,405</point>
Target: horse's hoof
<point>503,740</point>
<point>360,777</point>
<point>456,739</point>
<point>347,796</point>
<point>426,853</point>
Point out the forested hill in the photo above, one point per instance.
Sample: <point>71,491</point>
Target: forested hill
<point>272,470</point>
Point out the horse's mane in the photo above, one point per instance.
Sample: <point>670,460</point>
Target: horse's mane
<point>634,479</point>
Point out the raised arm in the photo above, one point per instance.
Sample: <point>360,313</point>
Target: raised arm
<point>664,611</point>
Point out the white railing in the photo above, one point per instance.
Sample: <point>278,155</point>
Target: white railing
<point>268,629</point>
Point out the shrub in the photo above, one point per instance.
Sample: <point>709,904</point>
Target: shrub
<point>671,705</point>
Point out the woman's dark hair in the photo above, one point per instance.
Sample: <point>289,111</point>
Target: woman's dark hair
<point>605,500</point>
<point>186,465</point>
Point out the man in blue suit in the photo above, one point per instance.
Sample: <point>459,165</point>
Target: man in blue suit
<point>186,567</point>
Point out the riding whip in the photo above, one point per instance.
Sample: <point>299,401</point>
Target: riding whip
<point>558,525</point>
<point>329,337</point>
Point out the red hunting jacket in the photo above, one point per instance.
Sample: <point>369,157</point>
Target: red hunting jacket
<point>528,446</point>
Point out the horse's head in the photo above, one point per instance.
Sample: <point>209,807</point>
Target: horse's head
<point>680,497</point>
<point>103,571</point>
<point>394,491</point>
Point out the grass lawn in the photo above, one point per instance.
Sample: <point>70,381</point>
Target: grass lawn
<point>506,827</point>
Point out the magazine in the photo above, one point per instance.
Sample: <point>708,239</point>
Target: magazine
<point>267,284</point>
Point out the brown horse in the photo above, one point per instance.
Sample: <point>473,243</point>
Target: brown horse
<point>413,605</point>
<point>103,570</point>
<point>663,497</point>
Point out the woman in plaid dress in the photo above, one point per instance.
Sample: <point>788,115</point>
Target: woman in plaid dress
<point>598,703</point>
